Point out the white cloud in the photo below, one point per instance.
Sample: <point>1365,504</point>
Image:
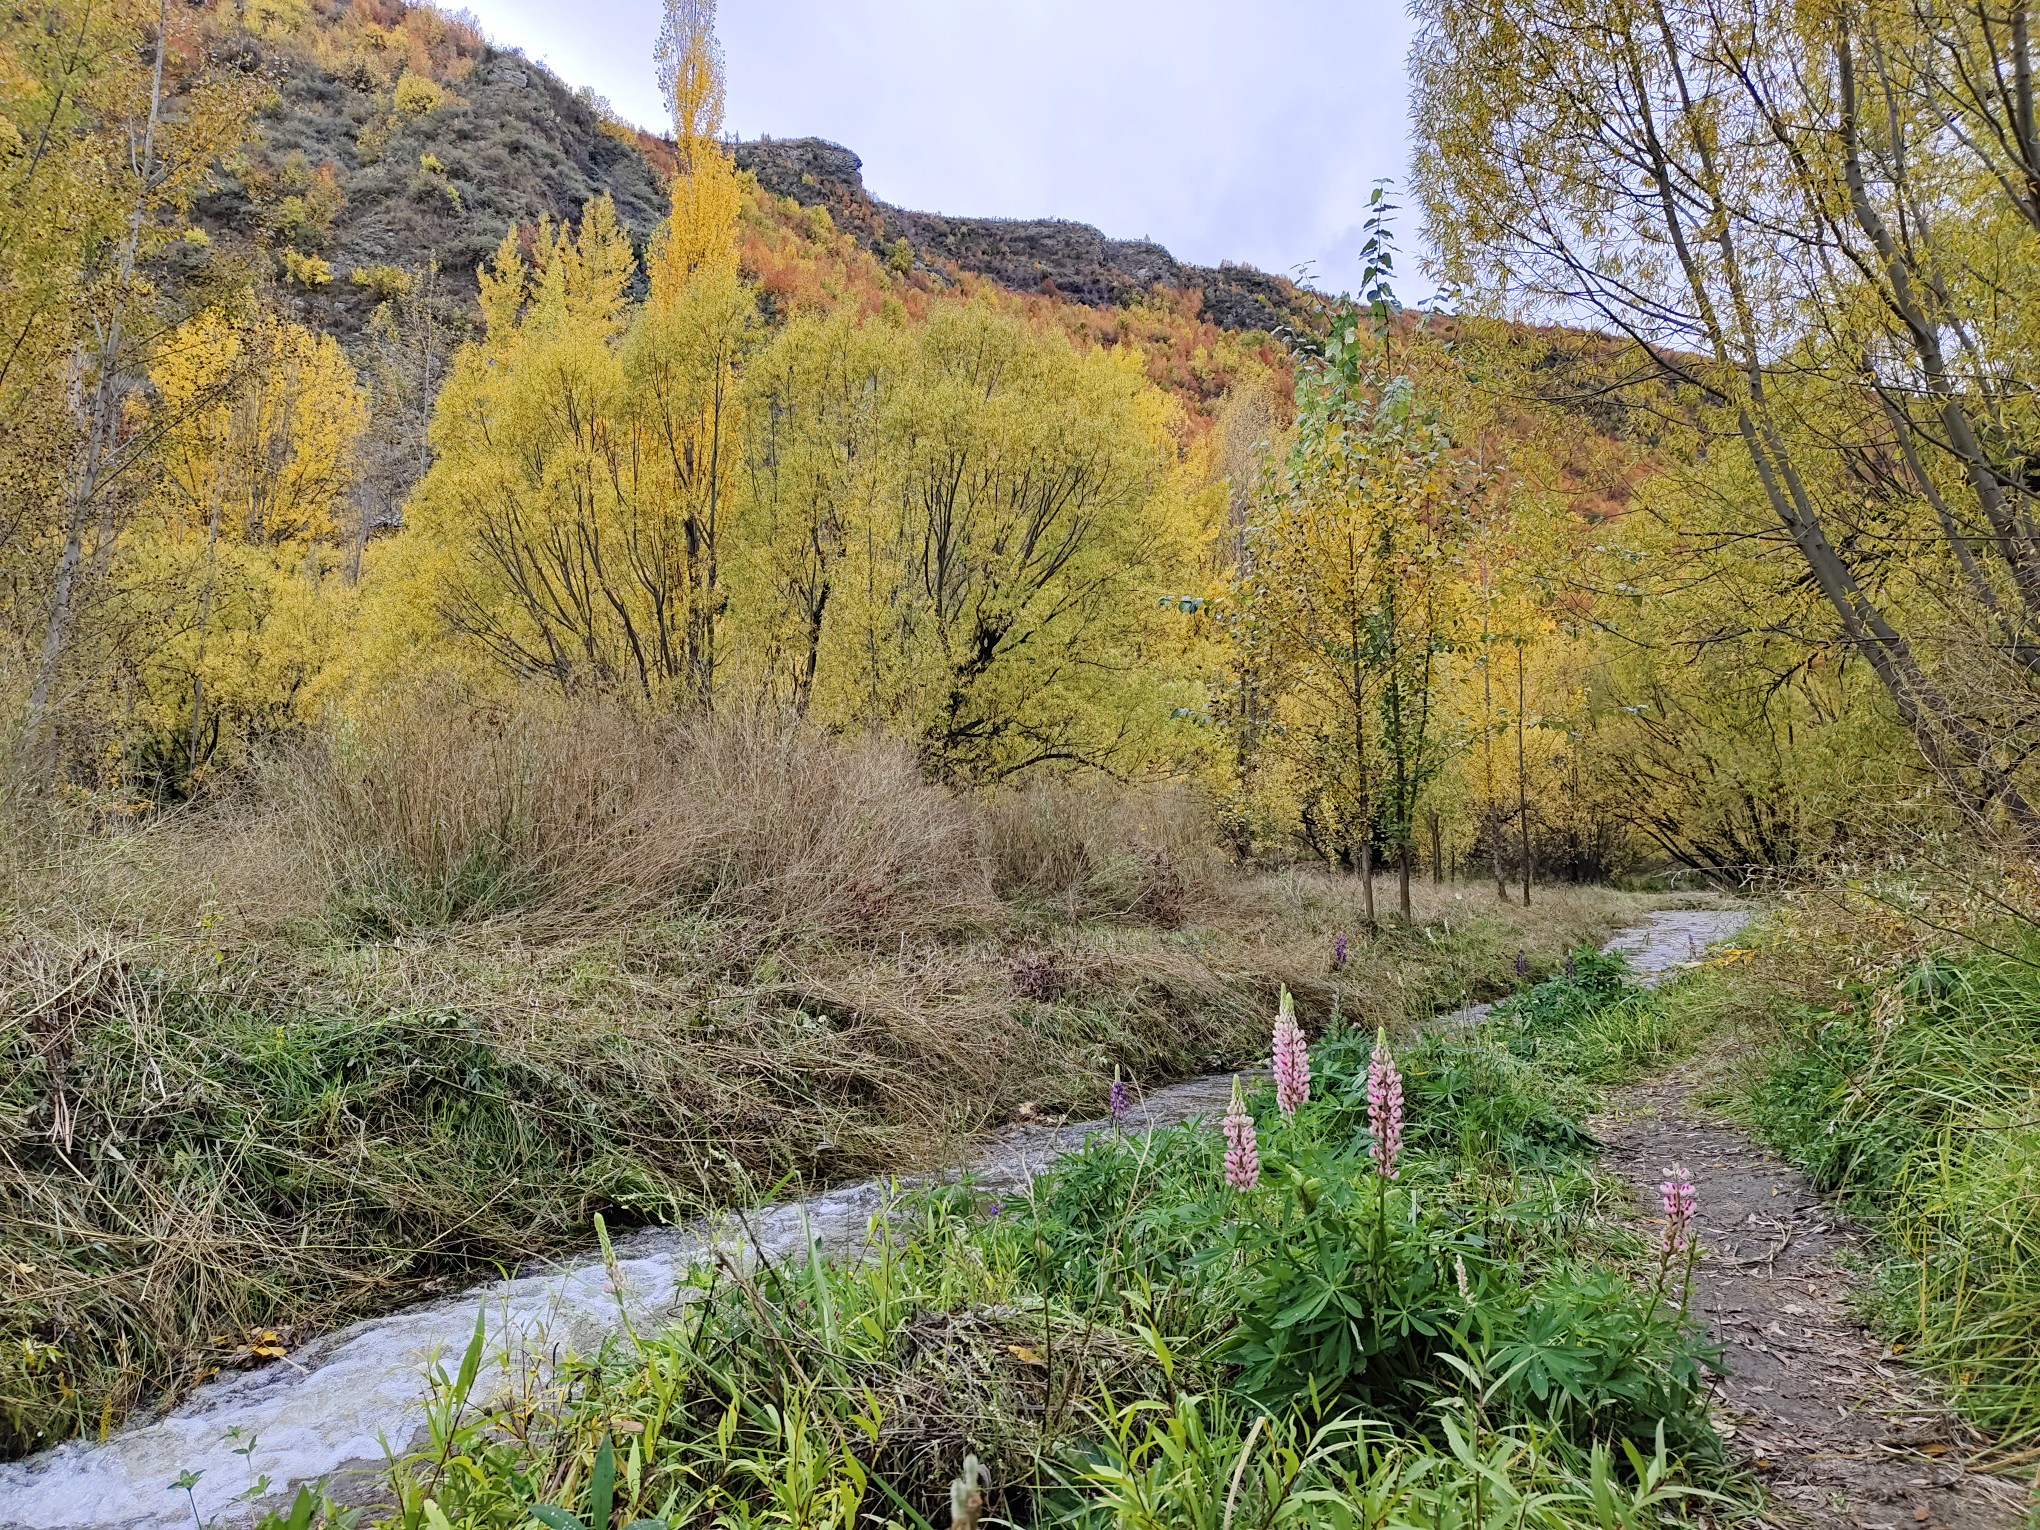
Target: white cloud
<point>1224,131</point>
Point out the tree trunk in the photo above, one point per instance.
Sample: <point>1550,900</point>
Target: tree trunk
<point>101,428</point>
<point>1522,778</point>
<point>205,605</point>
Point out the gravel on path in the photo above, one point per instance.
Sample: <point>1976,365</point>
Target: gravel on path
<point>1840,1432</point>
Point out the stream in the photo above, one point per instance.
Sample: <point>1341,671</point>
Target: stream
<point>338,1408</point>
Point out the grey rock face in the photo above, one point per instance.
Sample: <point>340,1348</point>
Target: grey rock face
<point>1071,260</point>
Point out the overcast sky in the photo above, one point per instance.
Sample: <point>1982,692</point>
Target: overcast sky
<point>1230,131</point>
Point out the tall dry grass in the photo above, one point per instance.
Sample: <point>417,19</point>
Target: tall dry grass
<point>432,811</point>
<point>1090,848</point>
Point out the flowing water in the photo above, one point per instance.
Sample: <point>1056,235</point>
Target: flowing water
<point>339,1407</point>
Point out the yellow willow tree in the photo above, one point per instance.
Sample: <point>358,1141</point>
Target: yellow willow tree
<point>242,533</point>
<point>561,518</point>
<point>819,465</point>
<point>109,123</point>
<point>1821,225</point>
<point>576,521</point>
<point>1000,599</point>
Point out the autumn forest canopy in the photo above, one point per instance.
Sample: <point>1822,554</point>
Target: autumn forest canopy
<point>1694,528</point>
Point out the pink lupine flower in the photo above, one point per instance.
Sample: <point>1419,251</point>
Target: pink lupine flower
<point>1292,1059</point>
<point>1384,1107</point>
<point>1680,1201</point>
<point>1242,1151</point>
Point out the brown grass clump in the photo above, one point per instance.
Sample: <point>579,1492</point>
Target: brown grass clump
<point>433,811</point>
<point>1087,849</point>
<point>426,997</point>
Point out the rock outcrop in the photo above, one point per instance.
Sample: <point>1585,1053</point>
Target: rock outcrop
<point>1050,255</point>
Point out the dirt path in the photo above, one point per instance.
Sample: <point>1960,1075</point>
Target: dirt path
<point>1840,1433</point>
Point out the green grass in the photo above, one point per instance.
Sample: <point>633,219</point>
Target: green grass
<point>1133,1343</point>
<point>1916,1101</point>
<point>1590,1024</point>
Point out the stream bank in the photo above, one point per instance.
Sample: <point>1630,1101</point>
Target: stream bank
<point>341,1406</point>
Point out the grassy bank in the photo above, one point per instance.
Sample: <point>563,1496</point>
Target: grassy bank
<point>426,1000</point>
<point>1900,1068</point>
<point>1145,1341</point>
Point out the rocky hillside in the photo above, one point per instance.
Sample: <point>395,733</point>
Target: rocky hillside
<point>1047,255</point>
<point>396,134</point>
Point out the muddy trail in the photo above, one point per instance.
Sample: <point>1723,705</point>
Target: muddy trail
<point>1832,1423</point>
<point>339,1408</point>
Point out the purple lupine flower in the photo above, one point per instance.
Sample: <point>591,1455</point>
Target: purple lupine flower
<point>1572,968</point>
<point>1522,964</point>
<point>1341,948</point>
<point>1384,1107</point>
<point>1680,1201</point>
<point>1242,1151</point>
<point>1292,1059</point>
<point>1120,1101</point>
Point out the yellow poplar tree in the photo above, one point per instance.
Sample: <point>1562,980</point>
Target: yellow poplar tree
<point>693,336</point>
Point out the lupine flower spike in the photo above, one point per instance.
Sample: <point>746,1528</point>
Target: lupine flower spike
<point>1242,1151</point>
<point>1384,1107</point>
<point>1522,964</point>
<point>1292,1059</point>
<point>1680,1201</point>
<point>1341,948</point>
<point>1120,1101</point>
